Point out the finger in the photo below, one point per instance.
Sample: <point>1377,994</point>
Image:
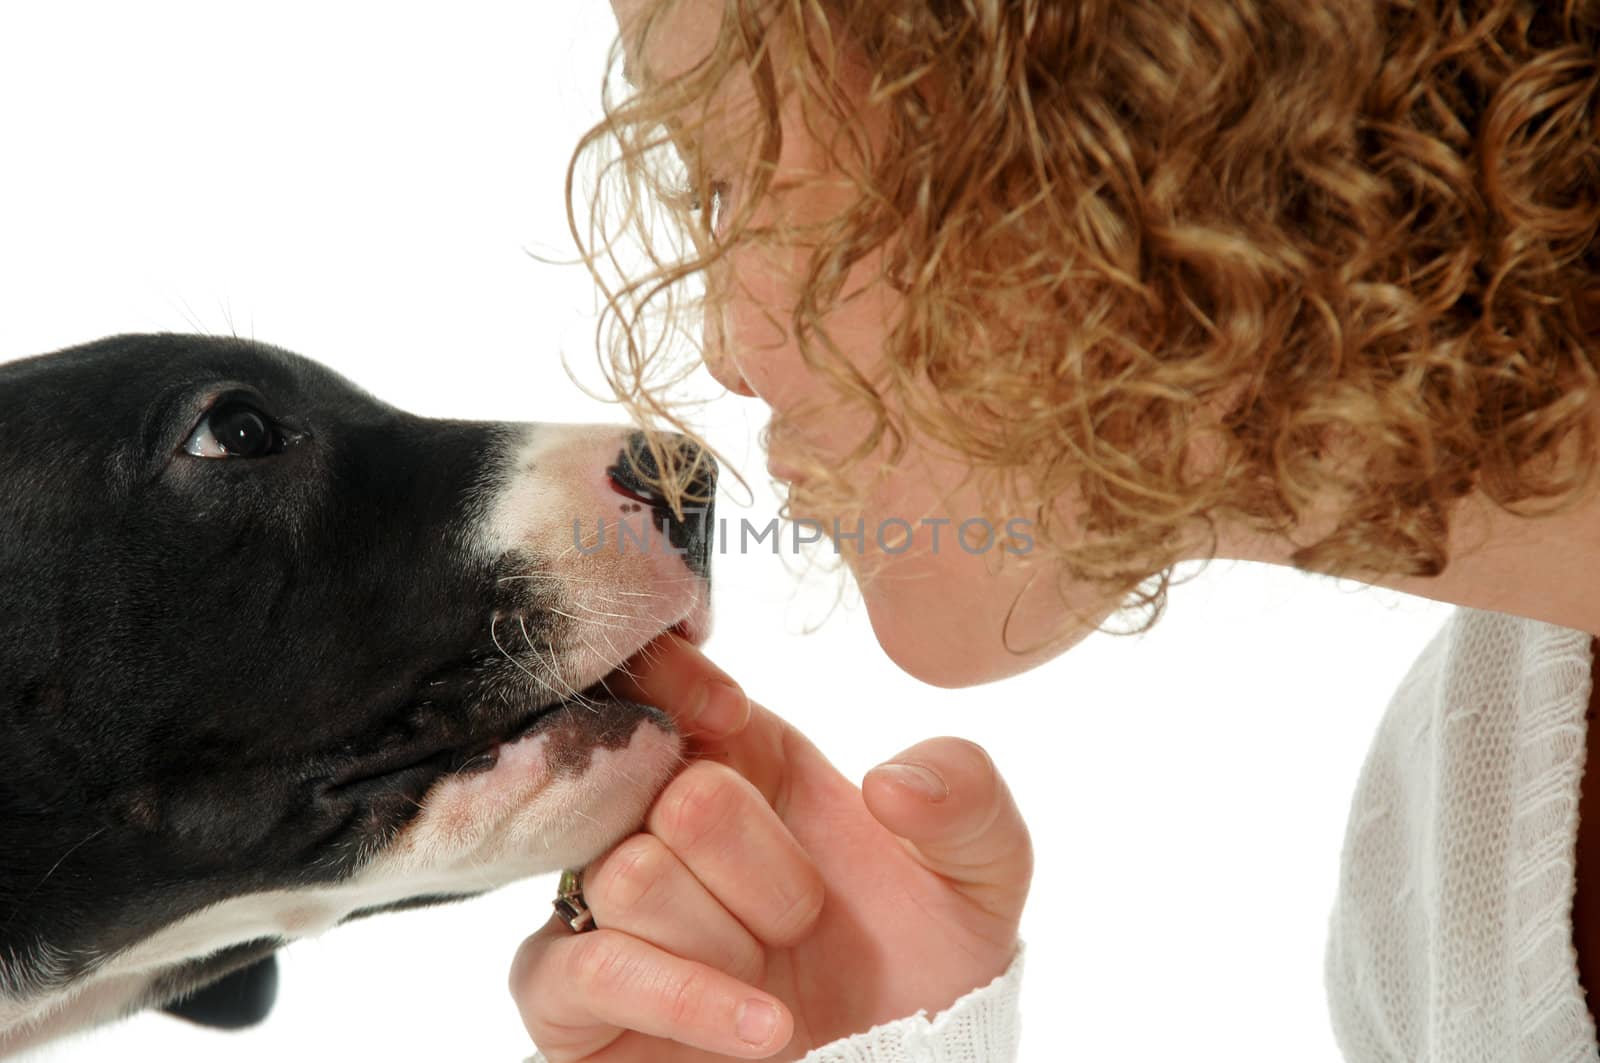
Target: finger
<point>577,992</point>
<point>671,674</point>
<point>725,725</point>
<point>721,827</point>
<point>766,751</point>
<point>535,987</point>
<point>946,798</point>
<point>642,889</point>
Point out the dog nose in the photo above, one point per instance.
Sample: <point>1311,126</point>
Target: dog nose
<point>637,475</point>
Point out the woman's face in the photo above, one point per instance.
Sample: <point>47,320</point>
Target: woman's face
<point>951,605</point>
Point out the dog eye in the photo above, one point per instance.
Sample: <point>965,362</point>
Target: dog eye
<point>235,430</point>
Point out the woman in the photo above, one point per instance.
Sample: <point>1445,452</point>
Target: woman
<point>1302,282</point>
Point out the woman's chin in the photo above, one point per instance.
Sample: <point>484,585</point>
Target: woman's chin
<point>931,644</point>
<point>947,639</point>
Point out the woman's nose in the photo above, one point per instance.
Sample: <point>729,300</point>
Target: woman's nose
<point>714,351</point>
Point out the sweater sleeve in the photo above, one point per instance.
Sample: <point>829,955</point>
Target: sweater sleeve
<point>983,1026</point>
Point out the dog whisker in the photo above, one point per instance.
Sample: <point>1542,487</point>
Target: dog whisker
<point>602,612</point>
<point>53,868</point>
<point>522,667</point>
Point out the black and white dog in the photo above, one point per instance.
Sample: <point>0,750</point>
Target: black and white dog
<point>274,655</point>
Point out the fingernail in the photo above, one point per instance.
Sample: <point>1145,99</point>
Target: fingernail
<point>918,778</point>
<point>724,708</point>
<point>756,1021</point>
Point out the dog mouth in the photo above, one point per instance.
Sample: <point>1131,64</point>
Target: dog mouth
<point>444,747</point>
<point>694,628</point>
<point>403,765</point>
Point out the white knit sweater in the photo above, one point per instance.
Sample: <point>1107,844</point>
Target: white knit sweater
<point>1451,935</point>
<point>1450,938</point>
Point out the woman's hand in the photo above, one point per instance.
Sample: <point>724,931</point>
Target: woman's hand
<point>770,906</point>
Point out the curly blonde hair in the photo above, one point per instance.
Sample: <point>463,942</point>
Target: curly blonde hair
<point>1117,223</point>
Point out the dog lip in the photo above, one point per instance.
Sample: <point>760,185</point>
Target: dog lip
<point>434,755</point>
<point>484,756</point>
<point>466,756</point>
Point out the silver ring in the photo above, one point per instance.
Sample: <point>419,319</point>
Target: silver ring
<point>570,905</point>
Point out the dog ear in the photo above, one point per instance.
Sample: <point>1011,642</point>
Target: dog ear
<point>234,1001</point>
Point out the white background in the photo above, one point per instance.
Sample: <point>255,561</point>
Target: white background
<point>363,184</point>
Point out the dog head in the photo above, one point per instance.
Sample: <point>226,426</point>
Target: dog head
<point>274,654</point>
